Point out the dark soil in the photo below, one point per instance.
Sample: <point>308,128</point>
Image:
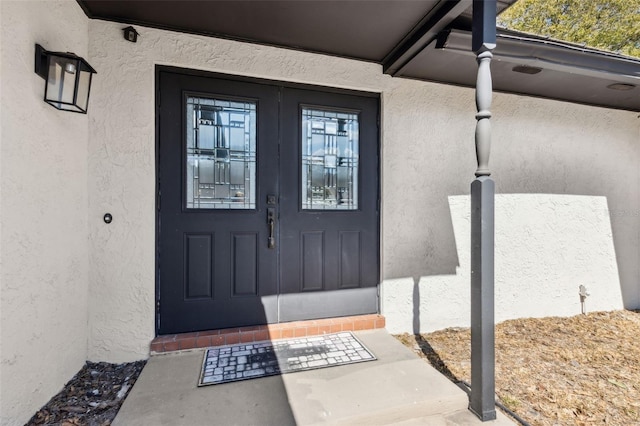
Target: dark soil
<point>92,397</point>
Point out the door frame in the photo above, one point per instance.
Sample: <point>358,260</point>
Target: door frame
<point>238,78</point>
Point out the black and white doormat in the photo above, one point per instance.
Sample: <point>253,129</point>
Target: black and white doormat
<point>259,359</point>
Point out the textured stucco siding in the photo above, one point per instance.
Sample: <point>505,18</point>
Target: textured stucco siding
<point>44,247</point>
<point>567,209</point>
<point>546,245</point>
<point>567,177</point>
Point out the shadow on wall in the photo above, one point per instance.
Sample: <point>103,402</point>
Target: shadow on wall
<point>546,246</point>
<point>430,249</point>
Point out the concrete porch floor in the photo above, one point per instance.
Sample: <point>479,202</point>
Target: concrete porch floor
<point>398,388</point>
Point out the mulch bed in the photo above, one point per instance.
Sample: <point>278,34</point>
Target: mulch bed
<point>580,370</point>
<point>92,397</point>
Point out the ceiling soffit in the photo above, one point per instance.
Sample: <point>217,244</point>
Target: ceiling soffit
<point>401,35</point>
<point>364,30</point>
<point>534,66</point>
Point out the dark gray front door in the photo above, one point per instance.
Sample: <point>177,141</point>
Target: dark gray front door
<point>268,203</point>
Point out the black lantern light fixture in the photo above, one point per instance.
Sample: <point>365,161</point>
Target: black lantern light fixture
<point>130,34</point>
<point>67,79</point>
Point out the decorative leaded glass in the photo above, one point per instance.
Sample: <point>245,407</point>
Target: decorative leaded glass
<point>221,154</point>
<point>329,160</point>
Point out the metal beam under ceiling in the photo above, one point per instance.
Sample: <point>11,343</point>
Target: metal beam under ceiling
<point>425,32</point>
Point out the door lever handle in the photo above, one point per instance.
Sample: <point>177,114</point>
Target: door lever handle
<point>271,222</point>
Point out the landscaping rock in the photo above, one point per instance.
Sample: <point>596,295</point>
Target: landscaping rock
<point>92,397</point>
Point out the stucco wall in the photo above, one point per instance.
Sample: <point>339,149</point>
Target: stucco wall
<point>567,208</point>
<point>570,162</point>
<point>43,178</point>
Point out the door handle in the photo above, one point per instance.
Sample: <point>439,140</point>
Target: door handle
<point>271,222</point>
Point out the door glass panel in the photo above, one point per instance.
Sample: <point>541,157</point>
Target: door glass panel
<point>329,160</point>
<point>221,154</point>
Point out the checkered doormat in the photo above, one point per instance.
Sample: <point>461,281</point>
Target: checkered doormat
<point>259,359</point>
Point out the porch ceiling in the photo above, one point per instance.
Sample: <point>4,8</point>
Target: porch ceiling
<point>401,35</point>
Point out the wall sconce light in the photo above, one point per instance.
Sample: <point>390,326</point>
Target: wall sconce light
<point>67,79</point>
<point>130,34</point>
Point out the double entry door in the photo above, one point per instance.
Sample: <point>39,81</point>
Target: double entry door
<point>267,202</point>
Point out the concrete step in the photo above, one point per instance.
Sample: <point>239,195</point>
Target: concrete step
<point>397,388</point>
<point>372,393</point>
<point>457,418</point>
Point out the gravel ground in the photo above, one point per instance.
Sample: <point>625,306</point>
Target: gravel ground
<point>92,397</point>
<point>580,370</point>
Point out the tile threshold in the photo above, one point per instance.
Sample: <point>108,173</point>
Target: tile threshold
<point>286,330</point>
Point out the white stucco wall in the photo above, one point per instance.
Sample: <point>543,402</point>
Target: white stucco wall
<point>567,209</point>
<point>43,215</point>
<point>546,245</point>
<point>567,175</point>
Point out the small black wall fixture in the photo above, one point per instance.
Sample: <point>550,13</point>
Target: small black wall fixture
<point>67,79</point>
<point>130,34</point>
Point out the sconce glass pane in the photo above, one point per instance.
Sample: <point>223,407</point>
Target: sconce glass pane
<point>221,154</point>
<point>329,160</point>
<point>83,90</point>
<point>61,82</point>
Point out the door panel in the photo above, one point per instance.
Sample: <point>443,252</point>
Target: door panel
<point>214,264</point>
<point>199,266</point>
<point>268,203</point>
<point>350,268</point>
<point>328,234</point>
<point>343,234</point>
<point>245,258</point>
<point>312,260</point>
